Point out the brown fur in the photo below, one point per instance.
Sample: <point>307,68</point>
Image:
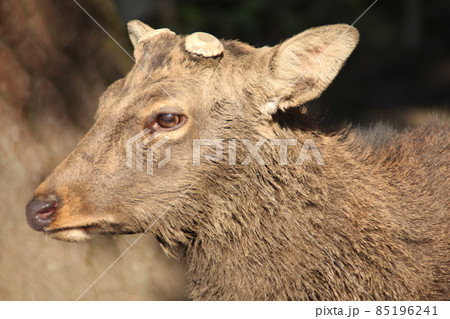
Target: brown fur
<point>370,223</point>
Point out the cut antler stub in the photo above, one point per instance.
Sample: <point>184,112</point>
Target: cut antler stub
<point>203,44</point>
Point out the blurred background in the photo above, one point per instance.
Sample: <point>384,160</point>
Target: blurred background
<point>55,62</point>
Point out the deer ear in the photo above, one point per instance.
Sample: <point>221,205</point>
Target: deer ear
<point>303,66</point>
<point>137,30</point>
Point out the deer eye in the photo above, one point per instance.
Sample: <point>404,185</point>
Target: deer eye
<point>166,121</point>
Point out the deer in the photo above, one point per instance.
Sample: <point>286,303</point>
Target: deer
<point>363,215</point>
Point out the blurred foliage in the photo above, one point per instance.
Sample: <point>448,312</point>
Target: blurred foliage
<point>401,65</point>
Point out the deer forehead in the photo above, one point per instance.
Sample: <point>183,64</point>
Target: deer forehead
<point>171,54</point>
<point>200,66</point>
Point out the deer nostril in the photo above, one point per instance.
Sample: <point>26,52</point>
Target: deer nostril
<point>39,212</point>
<point>45,213</point>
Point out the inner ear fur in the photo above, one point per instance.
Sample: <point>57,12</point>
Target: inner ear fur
<point>303,66</point>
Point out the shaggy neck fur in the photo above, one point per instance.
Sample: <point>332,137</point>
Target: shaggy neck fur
<point>341,233</point>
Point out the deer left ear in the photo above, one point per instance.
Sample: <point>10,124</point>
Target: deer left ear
<point>303,66</point>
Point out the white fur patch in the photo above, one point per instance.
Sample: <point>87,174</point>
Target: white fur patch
<point>270,107</point>
<point>71,235</point>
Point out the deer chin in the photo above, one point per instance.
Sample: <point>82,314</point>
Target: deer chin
<point>73,234</point>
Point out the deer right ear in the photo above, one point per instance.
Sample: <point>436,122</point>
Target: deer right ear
<point>137,30</point>
<point>303,66</point>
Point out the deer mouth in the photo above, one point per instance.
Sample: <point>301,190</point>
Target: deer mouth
<point>82,233</point>
<point>74,234</point>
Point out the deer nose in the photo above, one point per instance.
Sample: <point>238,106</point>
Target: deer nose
<point>40,211</point>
